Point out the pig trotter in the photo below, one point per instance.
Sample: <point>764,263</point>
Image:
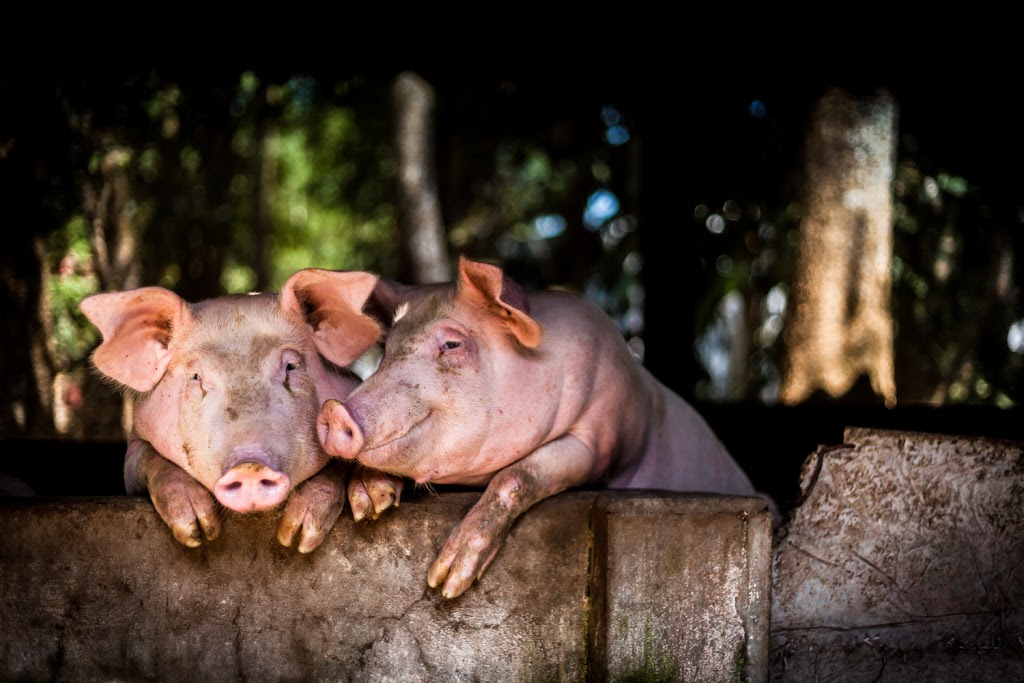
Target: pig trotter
<point>468,552</point>
<point>313,508</point>
<point>372,492</point>
<point>475,542</point>
<point>183,503</point>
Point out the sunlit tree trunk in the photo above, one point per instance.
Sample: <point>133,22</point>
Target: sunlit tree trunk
<point>424,252</point>
<point>841,326</point>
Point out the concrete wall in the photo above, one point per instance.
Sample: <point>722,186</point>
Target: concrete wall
<point>597,586</point>
<point>905,562</point>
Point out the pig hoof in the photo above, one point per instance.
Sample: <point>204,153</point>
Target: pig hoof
<point>190,537</point>
<point>359,510</point>
<point>382,503</point>
<point>360,502</point>
<point>310,541</point>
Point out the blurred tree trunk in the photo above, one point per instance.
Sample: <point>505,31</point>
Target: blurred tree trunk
<point>423,252</point>
<point>841,325</point>
<point>107,201</point>
<point>34,144</point>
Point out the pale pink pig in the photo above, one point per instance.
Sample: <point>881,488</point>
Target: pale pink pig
<point>481,384</point>
<point>226,397</point>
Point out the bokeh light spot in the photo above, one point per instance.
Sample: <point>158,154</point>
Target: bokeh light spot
<point>715,224</point>
<point>616,135</point>
<point>601,206</point>
<point>549,225</point>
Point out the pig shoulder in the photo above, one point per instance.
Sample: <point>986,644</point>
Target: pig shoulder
<point>568,318</point>
<point>608,399</point>
<point>645,434</point>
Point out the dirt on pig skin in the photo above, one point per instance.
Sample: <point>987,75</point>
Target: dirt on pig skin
<point>226,393</point>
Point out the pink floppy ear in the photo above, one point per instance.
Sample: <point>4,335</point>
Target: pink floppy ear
<point>331,303</point>
<point>488,287</point>
<point>137,327</point>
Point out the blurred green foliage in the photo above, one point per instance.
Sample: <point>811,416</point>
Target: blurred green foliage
<point>327,175</point>
<point>71,280</point>
<point>233,183</point>
<point>953,291</point>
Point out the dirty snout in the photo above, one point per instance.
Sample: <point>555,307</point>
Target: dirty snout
<point>252,485</point>
<point>338,430</point>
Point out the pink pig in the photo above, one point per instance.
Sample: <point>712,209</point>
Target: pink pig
<point>481,384</point>
<point>226,396</point>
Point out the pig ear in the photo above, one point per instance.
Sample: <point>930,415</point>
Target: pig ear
<point>332,302</point>
<point>137,326</point>
<point>487,286</point>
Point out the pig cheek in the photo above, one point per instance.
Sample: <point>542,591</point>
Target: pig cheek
<point>454,431</point>
<point>293,424</point>
<point>198,431</point>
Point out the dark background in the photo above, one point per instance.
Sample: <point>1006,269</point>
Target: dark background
<point>689,107</point>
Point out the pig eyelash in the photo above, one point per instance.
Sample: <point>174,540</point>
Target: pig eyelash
<point>289,367</point>
<point>199,380</point>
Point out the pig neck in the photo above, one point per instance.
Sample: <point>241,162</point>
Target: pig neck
<point>604,395</point>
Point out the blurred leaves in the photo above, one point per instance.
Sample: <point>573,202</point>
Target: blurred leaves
<point>72,279</point>
<point>242,178</point>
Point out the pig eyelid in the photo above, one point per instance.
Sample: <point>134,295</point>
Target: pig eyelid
<point>197,379</point>
<point>291,359</point>
<point>450,339</point>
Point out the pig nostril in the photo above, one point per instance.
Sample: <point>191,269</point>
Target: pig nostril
<point>234,486</point>
<point>268,483</point>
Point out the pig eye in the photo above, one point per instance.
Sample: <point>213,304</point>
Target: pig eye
<point>196,385</point>
<point>451,344</point>
<point>291,361</point>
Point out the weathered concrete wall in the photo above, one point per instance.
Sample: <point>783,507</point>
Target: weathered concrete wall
<point>589,586</point>
<point>904,562</point>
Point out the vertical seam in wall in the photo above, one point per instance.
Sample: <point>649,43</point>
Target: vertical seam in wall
<point>597,593</point>
<point>759,536</point>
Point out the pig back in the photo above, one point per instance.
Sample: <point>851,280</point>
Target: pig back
<point>657,440</point>
<point>682,452</point>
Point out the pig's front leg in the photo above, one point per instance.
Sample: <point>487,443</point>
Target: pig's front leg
<point>185,505</point>
<point>473,544</point>
<point>371,492</point>
<point>314,506</point>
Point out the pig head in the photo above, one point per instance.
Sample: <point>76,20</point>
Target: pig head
<point>226,393</point>
<point>526,395</point>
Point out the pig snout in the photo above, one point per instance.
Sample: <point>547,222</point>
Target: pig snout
<point>339,432</point>
<point>251,486</point>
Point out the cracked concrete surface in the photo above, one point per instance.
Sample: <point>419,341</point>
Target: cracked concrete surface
<point>588,586</point>
<point>904,562</point>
